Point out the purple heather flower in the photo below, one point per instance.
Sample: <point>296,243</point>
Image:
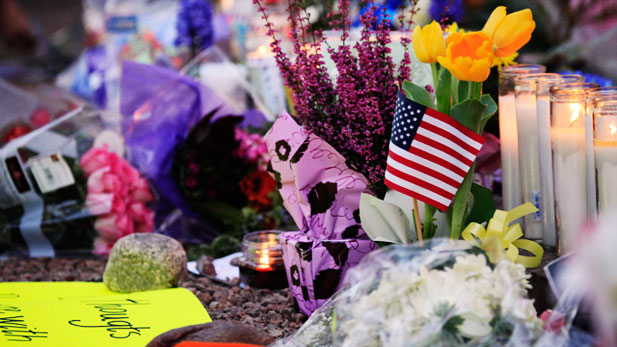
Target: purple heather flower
<point>453,10</point>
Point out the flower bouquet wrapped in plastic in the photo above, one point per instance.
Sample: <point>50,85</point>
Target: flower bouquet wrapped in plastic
<point>444,293</point>
<point>66,187</point>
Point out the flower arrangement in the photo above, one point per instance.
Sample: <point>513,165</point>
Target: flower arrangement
<point>444,293</point>
<point>460,63</point>
<point>117,195</point>
<point>354,112</point>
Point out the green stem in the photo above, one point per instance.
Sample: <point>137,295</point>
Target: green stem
<point>455,83</point>
<point>435,71</point>
<point>459,207</point>
<point>429,227</point>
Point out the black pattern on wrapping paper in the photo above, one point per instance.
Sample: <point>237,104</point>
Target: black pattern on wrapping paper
<point>338,251</point>
<point>294,272</point>
<point>280,146</point>
<point>305,293</point>
<point>275,174</point>
<point>356,216</point>
<point>305,250</point>
<point>326,282</point>
<point>321,197</point>
<point>300,152</point>
<point>352,231</point>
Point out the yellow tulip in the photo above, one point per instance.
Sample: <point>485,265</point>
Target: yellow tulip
<point>428,42</point>
<point>509,32</point>
<point>469,56</point>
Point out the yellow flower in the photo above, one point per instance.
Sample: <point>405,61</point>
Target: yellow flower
<point>469,56</point>
<point>453,28</point>
<point>505,61</point>
<point>509,32</point>
<point>428,42</point>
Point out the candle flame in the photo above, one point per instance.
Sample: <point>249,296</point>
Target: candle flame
<point>613,129</point>
<point>575,108</point>
<point>262,50</point>
<point>264,259</point>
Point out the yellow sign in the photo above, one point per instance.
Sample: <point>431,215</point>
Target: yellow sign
<point>88,314</point>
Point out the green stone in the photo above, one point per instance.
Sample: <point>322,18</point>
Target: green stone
<point>145,261</point>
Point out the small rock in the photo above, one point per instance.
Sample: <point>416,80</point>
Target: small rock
<point>205,265</point>
<point>145,261</point>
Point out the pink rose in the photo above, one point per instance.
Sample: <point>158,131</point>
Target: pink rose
<point>102,246</point>
<point>141,191</point>
<point>113,226</point>
<point>142,216</point>
<point>94,159</point>
<point>95,181</point>
<point>99,203</point>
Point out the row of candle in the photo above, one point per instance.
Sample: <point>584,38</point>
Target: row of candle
<point>550,152</point>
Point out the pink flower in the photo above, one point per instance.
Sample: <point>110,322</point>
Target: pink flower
<point>113,226</point>
<point>553,321</point>
<point>39,117</point>
<point>102,246</point>
<point>142,216</point>
<point>99,203</point>
<point>94,159</point>
<point>141,191</point>
<point>95,181</point>
<point>190,182</point>
<point>193,168</point>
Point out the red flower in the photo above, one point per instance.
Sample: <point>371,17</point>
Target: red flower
<point>257,186</point>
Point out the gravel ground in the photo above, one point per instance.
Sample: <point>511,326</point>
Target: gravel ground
<point>271,311</point>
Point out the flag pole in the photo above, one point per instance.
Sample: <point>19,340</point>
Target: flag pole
<point>416,211</point>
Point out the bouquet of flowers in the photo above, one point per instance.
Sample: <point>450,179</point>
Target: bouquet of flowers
<point>62,187</point>
<point>444,293</point>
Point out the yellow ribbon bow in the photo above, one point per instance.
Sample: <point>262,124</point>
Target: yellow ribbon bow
<point>499,229</point>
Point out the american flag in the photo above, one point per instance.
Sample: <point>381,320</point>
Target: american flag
<point>430,153</point>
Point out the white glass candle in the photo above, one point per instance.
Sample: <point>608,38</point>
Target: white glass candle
<point>543,110</point>
<point>569,163</point>
<point>508,133</point>
<point>529,153</point>
<point>605,142</point>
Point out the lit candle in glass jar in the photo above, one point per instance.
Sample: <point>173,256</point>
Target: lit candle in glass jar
<point>605,143</point>
<point>261,264</point>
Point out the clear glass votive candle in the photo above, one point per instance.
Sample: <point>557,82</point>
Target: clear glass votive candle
<point>261,264</point>
<point>508,133</point>
<point>605,145</point>
<point>529,149</point>
<point>543,111</point>
<point>568,111</point>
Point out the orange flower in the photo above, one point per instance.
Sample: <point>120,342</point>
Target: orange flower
<point>509,32</point>
<point>469,56</point>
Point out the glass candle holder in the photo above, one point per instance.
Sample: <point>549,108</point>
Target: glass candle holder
<point>508,132</point>
<point>528,149</point>
<point>543,115</point>
<point>605,145</point>
<point>261,264</point>
<point>568,108</point>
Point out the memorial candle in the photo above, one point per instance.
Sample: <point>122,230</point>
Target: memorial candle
<point>508,132</point>
<point>605,143</point>
<point>568,105</point>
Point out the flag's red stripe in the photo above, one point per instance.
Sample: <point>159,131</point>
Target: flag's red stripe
<point>438,161</point>
<point>419,182</point>
<point>448,135</point>
<point>447,119</point>
<point>426,170</point>
<point>441,147</point>
<point>415,195</point>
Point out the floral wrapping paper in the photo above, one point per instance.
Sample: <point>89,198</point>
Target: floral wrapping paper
<point>322,194</point>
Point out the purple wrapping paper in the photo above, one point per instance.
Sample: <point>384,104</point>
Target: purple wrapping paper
<point>322,195</point>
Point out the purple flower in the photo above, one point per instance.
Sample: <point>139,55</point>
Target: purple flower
<point>195,24</point>
<point>452,10</point>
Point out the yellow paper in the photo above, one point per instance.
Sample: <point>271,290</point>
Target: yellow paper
<point>88,314</point>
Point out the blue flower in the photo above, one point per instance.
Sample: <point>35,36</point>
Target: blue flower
<point>602,81</point>
<point>195,24</point>
<point>390,7</point>
<point>452,9</point>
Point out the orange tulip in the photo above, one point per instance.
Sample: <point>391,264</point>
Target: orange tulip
<point>509,32</point>
<point>469,56</point>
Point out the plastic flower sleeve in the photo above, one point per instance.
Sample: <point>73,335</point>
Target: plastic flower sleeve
<point>48,200</point>
<point>322,195</point>
<point>444,293</point>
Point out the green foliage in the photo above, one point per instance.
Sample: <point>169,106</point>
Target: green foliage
<point>418,94</point>
<point>469,113</point>
<point>491,109</point>
<point>483,206</point>
<point>443,92</point>
<point>220,247</point>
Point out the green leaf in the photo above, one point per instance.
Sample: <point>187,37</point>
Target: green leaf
<point>491,108</point>
<point>463,90</point>
<point>483,207</point>
<point>443,92</point>
<point>418,94</point>
<point>469,113</point>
